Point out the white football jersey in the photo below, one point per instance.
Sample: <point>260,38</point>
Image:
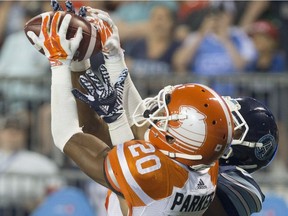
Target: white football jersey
<point>154,184</point>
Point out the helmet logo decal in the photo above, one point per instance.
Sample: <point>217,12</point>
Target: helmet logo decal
<point>192,131</point>
<point>268,148</point>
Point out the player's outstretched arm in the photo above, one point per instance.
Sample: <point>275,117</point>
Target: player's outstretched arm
<point>107,100</point>
<point>115,63</point>
<point>86,150</point>
<point>88,119</point>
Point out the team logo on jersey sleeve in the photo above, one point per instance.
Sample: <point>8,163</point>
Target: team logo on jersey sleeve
<point>268,148</point>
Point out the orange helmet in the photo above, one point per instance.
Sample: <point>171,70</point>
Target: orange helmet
<point>190,123</point>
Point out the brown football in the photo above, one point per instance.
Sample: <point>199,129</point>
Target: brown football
<point>90,43</point>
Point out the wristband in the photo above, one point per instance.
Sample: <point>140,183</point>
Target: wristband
<point>131,97</point>
<point>120,130</point>
<point>115,65</point>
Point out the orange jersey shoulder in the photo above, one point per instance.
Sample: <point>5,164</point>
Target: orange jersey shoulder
<point>142,173</point>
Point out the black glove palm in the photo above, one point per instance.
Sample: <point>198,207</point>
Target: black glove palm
<point>105,99</point>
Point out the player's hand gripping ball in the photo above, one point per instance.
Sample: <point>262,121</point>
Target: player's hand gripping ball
<point>89,45</point>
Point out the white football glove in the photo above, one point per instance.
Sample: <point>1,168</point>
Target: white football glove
<point>108,31</point>
<point>76,66</point>
<point>57,48</point>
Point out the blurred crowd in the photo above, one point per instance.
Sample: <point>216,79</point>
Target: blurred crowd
<point>159,38</point>
<point>203,37</point>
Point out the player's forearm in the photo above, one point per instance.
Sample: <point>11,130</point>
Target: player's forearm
<point>85,114</point>
<point>88,152</point>
<point>131,96</point>
<point>120,130</point>
<point>88,119</point>
<point>237,59</point>
<point>64,117</point>
<point>131,99</point>
<point>253,11</point>
<point>64,112</point>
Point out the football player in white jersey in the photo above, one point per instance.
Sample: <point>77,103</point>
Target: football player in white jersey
<point>174,170</point>
<point>254,148</point>
<point>228,174</point>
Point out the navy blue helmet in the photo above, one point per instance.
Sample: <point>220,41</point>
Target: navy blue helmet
<point>256,144</point>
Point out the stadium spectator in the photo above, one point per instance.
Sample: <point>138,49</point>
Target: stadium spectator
<point>133,22</point>
<point>280,15</point>
<point>153,53</point>
<point>131,17</point>
<point>217,48</point>
<point>189,17</point>
<point>68,201</point>
<point>275,11</point>
<point>249,12</point>
<point>21,63</point>
<point>269,59</point>
<point>25,176</point>
<point>187,8</point>
<point>191,14</point>
<point>4,11</point>
<point>12,16</point>
<point>13,13</point>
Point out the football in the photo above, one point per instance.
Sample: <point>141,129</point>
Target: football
<point>90,43</point>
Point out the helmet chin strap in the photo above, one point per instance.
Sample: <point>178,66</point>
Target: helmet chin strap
<point>181,155</point>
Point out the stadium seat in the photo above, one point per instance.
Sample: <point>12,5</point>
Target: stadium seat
<point>68,201</point>
<point>273,205</point>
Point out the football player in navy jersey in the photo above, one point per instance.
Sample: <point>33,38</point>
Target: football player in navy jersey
<point>253,148</point>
